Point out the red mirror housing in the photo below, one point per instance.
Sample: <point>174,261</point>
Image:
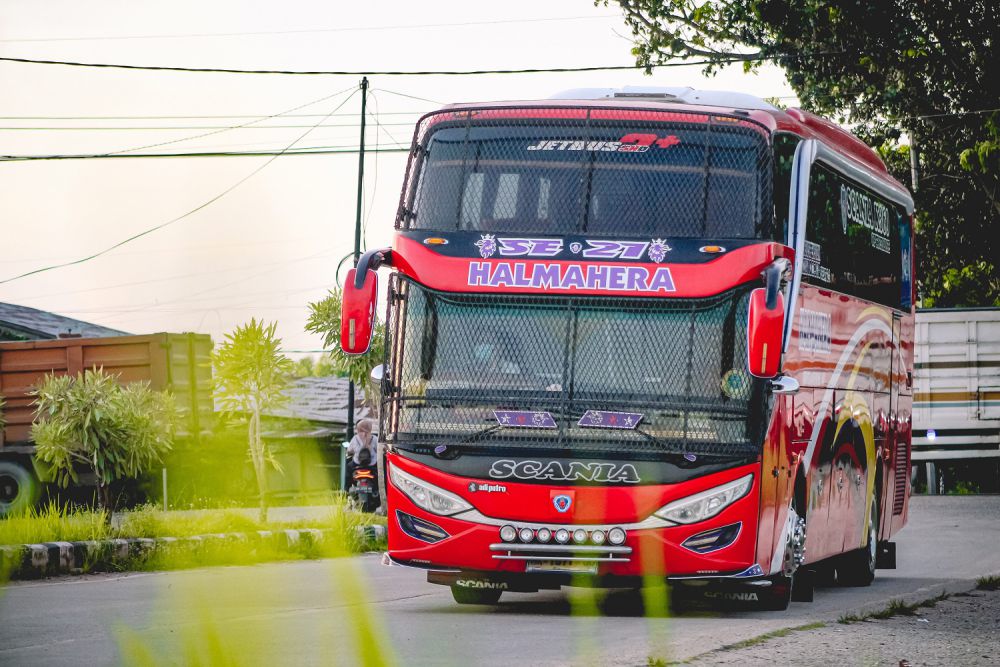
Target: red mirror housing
<point>357,313</point>
<point>764,330</point>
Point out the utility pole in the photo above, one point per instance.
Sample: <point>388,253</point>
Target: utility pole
<point>357,236</point>
<point>914,161</point>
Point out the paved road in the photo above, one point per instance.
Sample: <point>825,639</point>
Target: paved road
<point>311,612</point>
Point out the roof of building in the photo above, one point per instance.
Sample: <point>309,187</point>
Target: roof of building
<point>24,323</point>
<point>321,399</point>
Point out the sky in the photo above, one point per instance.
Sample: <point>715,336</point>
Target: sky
<point>250,236</point>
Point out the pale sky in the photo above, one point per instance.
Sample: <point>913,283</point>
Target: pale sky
<point>271,245</point>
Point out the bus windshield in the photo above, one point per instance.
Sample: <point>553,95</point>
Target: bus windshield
<point>708,179</point>
<point>677,366</point>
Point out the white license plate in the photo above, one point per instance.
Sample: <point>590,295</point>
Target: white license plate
<point>573,567</point>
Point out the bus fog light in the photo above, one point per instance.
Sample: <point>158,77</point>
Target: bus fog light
<point>579,536</point>
<point>526,534</point>
<point>597,537</point>
<point>543,535</point>
<point>508,534</point>
<point>616,536</point>
<point>562,536</point>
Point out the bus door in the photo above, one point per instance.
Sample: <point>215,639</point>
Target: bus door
<point>897,378</point>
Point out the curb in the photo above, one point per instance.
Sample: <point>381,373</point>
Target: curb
<point>32,561</point>
<point>920,595</point>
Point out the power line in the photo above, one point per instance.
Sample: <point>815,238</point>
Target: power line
<point>195,154</point>
<point>532,70</point>
<point>189,213</point>
<point>309,30</point>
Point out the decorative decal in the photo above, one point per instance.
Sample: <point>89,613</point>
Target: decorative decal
<point>575,247</point>
<point>487,245</point>
<point>814,331</point>
<point>486,487</point>
<point>565,472</point>
<point>518,247</point>
<point>524,419</point>
<point>603,419</point>
<point>658,249</point>
<point>562,502</point>
<point>630,143</point>
<point>571,276</point>
<point>736,384</point>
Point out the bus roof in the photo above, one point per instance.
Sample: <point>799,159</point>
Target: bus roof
<point>796,121</point>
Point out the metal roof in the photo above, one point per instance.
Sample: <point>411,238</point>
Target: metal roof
<point>320,399</point>
<point>24,323</point>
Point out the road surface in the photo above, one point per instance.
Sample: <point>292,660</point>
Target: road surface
<point>319,612</point>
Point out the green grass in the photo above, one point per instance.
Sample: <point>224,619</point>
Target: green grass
<point>990,583</point>
<point>54,523</point>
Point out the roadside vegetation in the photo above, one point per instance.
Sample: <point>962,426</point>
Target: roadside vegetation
<point>53,523</point>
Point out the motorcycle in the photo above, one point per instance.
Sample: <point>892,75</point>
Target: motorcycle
<point>364,484</point>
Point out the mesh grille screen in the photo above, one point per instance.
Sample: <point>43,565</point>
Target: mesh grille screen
<point>600,171</point>
<point>680,363</point>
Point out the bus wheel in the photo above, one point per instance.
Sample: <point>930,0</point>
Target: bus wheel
<point>857,568</point>
<point>464,595</point>
<point>18,488</point>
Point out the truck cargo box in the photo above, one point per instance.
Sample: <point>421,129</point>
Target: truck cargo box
<point>956,407</point>
<point>178,362</point>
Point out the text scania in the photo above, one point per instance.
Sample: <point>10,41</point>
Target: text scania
<point>565,472</point>
<point>571,276</point>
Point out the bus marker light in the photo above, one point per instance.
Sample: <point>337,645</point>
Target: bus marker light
<point>543,535</point>
<point>579,536</point>
<point>712,249</point>
<point>508,534</point>
<point>562,536</point>
<point>526,534</point>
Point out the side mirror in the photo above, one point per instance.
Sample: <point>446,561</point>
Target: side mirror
<point>377,374</point>
<point>357,313</point>
<point>764,330</point>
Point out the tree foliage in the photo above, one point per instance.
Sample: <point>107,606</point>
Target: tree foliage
<point>923,69</point>
<point>91,422</point>
<point>324,320</point>
<point>251,375</point>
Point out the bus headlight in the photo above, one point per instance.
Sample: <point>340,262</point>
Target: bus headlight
<point>426,495</point>
<point>706,504</point>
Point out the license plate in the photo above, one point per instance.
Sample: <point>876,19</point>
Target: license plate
<point>573,567</point>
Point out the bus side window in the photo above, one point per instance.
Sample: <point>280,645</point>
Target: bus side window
<point>784,152</point>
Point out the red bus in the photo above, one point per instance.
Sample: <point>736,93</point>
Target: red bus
<point>643,333</point>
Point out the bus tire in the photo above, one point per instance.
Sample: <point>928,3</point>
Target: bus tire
<point>475,595</point>
<point>19,488</point>
<point>857,568</point>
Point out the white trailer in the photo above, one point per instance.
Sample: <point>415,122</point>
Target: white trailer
<point>956,403</point>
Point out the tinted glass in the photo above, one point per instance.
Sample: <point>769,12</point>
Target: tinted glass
<point>694,180</point>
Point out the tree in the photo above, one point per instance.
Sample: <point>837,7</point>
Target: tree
<point>922,69</point>
<point>250,377</point>
<point>324,320</point>
<point>90,421</point>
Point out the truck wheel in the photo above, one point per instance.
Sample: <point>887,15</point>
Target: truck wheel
<point>18,488</point>
<point>475,595</point>
<point>857,568</point>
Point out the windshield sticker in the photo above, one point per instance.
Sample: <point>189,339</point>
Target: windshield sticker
<point>571,276</point>
<point>604,419</point>
<point>812,262</point>
<point>524,419</point>
<point>860,208</point>
<point>736,384</point>
<point>513,246</point>
<point>630,143</point>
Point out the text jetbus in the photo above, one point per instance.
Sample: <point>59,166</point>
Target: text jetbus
<point>643,333</point>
